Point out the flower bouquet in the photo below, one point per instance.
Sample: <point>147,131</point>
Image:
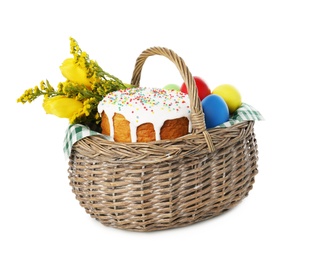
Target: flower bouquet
<point>78,97</point>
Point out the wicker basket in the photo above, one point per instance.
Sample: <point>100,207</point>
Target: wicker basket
<point>170,183</point>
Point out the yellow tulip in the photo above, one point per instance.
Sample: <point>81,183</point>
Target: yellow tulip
<point>74,72</point>
<point>62,106</point>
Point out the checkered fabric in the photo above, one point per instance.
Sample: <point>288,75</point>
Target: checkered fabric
<point>76,132</point>
<point>244,113</point>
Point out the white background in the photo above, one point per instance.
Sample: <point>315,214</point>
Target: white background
<point>272,51</point>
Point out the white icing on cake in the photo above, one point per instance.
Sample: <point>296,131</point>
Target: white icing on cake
<point>145,105</point>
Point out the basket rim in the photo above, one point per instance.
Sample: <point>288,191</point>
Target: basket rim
<point>164,149</point>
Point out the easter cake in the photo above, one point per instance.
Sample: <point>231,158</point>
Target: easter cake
<point>145,114</point>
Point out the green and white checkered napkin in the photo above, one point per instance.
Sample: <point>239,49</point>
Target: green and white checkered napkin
<point>244,113</point>
<point>76,132</point>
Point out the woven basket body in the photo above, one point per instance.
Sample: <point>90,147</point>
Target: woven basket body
<point>169,183</point>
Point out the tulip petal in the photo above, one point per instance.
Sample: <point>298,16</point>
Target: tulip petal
<point>62,106</point>
<point>73,72</point>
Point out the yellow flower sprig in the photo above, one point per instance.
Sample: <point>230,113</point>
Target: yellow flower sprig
<point>31,94</point>
<point>78,97</point>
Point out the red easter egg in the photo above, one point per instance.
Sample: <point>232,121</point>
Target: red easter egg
<point>202,88</point>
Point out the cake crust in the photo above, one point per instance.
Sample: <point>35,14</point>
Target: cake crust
<point>174,128</point>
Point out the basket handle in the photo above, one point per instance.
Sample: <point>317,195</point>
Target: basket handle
<point>197,115</point>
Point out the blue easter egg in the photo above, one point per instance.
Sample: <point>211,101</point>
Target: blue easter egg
<point>215,110</point>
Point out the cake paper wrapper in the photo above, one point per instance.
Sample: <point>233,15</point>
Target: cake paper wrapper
<point>76,132</point>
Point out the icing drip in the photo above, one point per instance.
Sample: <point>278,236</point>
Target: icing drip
<point>143,105</point>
